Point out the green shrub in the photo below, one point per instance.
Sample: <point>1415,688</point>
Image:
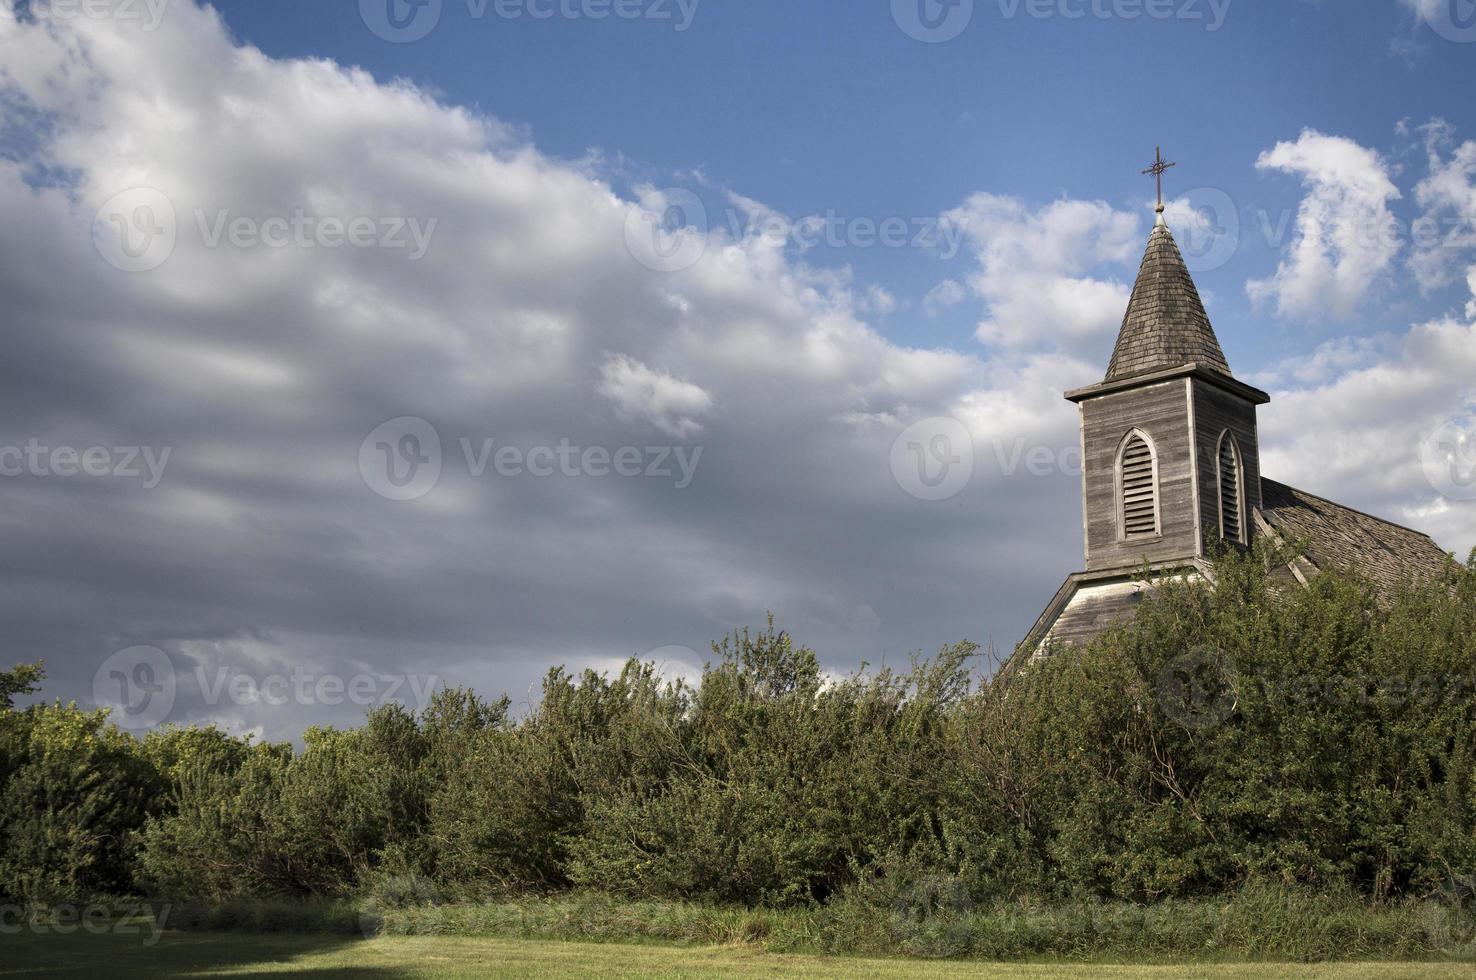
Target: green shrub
<point>1326,739</point>
<point>767,785</point>
<point>73,791</point>
<point>1299,759</point>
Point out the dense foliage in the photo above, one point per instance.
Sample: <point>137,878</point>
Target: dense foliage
<point>1250,732</point>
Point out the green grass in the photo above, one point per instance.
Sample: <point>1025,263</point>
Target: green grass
<point>179,955</point>
<point>1258,923</point>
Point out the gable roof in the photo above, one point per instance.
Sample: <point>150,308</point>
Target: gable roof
<point>1349,540</point>
<point>1165,325</point>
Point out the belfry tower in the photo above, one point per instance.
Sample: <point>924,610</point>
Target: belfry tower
<point>1170,458</point>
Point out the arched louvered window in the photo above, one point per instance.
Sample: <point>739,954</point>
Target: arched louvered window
<point>1232,512</point>
<point>1137,476</point>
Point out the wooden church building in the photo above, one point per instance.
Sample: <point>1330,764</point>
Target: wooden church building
<point>1171,469</point>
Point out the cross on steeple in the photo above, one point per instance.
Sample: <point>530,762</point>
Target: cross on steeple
<point>1159,166</point>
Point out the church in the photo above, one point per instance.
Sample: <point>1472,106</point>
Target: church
<point>1171,469</point>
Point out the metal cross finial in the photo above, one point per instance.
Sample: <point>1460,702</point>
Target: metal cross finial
<point>1159,166</point>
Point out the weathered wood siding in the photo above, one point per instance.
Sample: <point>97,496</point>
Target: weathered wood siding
<point>1091,610</point>
<point>1094,607</point>
<point>1216,410</point>
<point>1162,411</point>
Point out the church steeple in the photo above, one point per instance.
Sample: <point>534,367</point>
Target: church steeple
<point>1165,325</point>
<point>1171,466</point>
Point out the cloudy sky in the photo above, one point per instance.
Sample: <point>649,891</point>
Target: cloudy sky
<point>355,347</point>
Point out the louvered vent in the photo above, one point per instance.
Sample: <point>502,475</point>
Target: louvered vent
<point>1139,493</point>
<point>1229,490</point>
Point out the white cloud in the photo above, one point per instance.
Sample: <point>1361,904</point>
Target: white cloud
<point>1356,436</point>
<point>1445,235</point>
<point>1425,8</point>
<point>1349,420</point>
<point>1327,362</point>
<point>1036,270</point>
<point>948,293</point>
<point>1185,219</point>
<point>1345,237</point>
<point>879,301</point>
<point>668,403</point>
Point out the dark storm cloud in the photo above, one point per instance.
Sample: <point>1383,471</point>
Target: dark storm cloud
<point>264,552</point>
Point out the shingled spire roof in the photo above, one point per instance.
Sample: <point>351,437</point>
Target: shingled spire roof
<point>1165,325</point>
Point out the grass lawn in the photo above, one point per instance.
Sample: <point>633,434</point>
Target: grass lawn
<point>328,958</point>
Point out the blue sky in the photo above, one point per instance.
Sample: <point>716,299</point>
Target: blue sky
<point>818,106</point>
<point>189,315</point>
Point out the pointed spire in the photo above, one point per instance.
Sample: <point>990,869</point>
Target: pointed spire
<point>1165,325</point>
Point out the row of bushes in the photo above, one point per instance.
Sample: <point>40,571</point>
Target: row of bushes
<point>1251,732</point>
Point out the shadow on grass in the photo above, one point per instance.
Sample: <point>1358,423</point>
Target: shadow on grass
<point>191,954</point>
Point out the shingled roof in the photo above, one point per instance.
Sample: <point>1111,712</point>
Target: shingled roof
<point>1338,537</point>
<point>1165,325</point>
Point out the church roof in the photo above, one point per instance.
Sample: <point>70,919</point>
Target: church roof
<point>1330,537</point>
<point>1165,325</point>
<point>1339,537</point>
